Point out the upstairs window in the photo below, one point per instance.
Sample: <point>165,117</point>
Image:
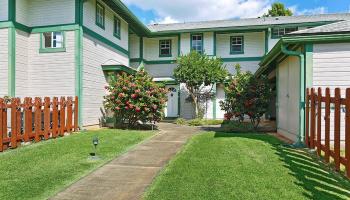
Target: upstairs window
<point>100,15</point>
<point>117,25</point>
<point>164,48</point>
<point>52,42</point>
<point>279,32</point>
<point>197,43</point>
<point>237,44</point>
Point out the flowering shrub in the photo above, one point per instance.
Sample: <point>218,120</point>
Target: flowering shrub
<point>134,98</point>
<point>246,95</point>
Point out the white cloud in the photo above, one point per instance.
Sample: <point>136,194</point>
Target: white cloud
<point>165,20</point>
<point>198,10</point>
<point>313,11</point>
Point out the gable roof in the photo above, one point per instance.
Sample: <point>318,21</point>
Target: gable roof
<point>338,27</point>
<point>262,22</point>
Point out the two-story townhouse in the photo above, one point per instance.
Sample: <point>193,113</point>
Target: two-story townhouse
<point>240,41</point>
<point>65,48</point>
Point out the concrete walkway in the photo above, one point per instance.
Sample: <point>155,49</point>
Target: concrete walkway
<point>129,175</point>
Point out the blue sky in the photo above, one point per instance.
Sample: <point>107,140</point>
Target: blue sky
<point>167,11</point>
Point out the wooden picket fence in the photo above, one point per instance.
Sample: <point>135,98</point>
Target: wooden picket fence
<point>36,120</point>
<point>331,147</point>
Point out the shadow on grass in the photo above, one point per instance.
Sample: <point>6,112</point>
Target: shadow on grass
<point>311,174</point>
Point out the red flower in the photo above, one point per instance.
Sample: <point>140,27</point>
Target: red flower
<point>134,96</point>
<point>131,106</point>
<point>126,108</point>
<point>137,109</point>
<point>121,95</point>
<point>154,107</point>
<point>118,101</point>
<point>117,108</point>
<point>137,91</point>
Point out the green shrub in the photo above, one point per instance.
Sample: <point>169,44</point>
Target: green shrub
<point>181,121</point>
<point>196,122</point>
<point>135,98</point>
<point>236,126</point>
<point>212,122</point>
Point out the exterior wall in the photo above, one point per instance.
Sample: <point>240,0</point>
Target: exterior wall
<point>220,96</point>
<point>254,45</point>
<point>3,10</point>
<point>185,43</point>
<point>22,80</point>
<point>151,48</point>
<point>288,92</point>
<point>90,22</point>
<point>331,69</point>
<point>4,62</point>
<point>31,12</point>
<point>134,46</point>
<point>186,108</point>
<point>208,43</point>
<point>161,70</point>
<point>95,54</point>
<point>51,74</point>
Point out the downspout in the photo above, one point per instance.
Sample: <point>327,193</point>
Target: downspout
<point>301,129</point>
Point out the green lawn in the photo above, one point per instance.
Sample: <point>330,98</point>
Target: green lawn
<point>40,170</point>
<point>245,166</point>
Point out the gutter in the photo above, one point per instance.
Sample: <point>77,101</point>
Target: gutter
<point>302,85</point>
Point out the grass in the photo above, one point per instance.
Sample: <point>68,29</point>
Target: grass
<point>198,122</point>
<point>245,166</point>
<point>40,170</point>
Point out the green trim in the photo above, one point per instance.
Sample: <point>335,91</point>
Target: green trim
<point>301,128</point>
<point>240,59</point>
<point>11,10</point>
<point>12,62</point>
<point>141,49</point>
<point>115,23</point>
<point>104,40</point>
<point>236,52</point>
<point>179,45</point>
<point>214,101</point>
<point>99,24</point>
<point>160,62</point>
<point>52,50</point>
<point>267,34</point>
<point>79,71</point>
<point>277,99</point>
<point>165,55</point>
<point>192,34</point>
<point>178,100</point>
<point>309,65</point>
<point>6,24</point>
<point>214,43</point>
<point>118,68</point>
<point>52,28</point>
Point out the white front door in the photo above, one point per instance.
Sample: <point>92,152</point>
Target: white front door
<point>171,109</point>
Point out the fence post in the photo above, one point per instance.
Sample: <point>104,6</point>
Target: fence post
<point>313,119</point>
<point>2,105</point>
<point>69,114</point>
<point>38,105</point>
<point>347,133</point>
<point>319,113</point>
<point>307,117</point>
<point>27,125</point>
<point>47,118</point>
<point>327,124</point>
<point>337,129</point>
<point>62,115</point>
<point>76,111</point>
<point>18,120</point>
<point>13,123</point>
<point>54,117</point>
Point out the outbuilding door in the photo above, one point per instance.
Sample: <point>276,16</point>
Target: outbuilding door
<point>288,81</point>
<point>171,109</point>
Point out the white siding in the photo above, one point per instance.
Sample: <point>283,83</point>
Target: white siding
<point>161,70</point>
<point>272,43</point>
<point>95,54</point>
<point>208,43</point>
<point>186,108</point>
<point>51,74</point>
<point>151,48</point>
<point>90,22</point>
<point>251,66</point>
<point>288,97</point>
<point>22,63</point>
<point>331,68</point>
<point>134,46</point>
<point>185,43</point>
<point>3,10</point>
<point>253,45</point>
<point>3,62</point>
<point>45,12</point>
